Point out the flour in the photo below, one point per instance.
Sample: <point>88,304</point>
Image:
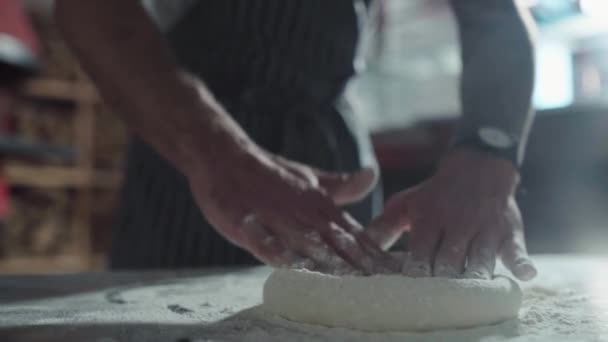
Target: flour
<point>569,302</point>
<point>553,310</point>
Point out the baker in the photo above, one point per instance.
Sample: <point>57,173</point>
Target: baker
<point>242,152</point>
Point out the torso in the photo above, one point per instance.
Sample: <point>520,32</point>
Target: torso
<point>274,42</point>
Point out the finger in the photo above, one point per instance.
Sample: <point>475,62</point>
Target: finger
<point>451,256</point>
<point>347,246</point>
<point>383,262</point>
<point>386,229</point>
<point>346,188</point>
<point>342,187</point>
<point>267,247</point>
<point>423,245</point>
<point>343,243</point>
<point>315,213</point>
<point>309,243</point>
<point>515,257</point>
<point>344,234</point>
<point>348,223</point>
<point>327,260</point>
<point>299,170</point>
<point>481,260</point>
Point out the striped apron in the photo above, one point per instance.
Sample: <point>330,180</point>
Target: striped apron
<point>279,67</point>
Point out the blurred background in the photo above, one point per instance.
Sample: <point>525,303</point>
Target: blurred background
<point>62,151</point>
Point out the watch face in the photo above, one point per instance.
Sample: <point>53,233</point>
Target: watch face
<point>495,137</point>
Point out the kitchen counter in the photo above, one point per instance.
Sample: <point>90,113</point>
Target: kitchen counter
<point>568,301</point>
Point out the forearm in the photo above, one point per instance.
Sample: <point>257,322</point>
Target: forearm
<point>121,49</point>
<point>498,69</point>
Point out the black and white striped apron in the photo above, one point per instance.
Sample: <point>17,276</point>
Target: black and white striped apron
<point>279,67</point>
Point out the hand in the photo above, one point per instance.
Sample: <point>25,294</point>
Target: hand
<point>284,212</point>
<point>460,220</point>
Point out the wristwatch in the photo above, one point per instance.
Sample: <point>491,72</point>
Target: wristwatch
<point>494,141</point>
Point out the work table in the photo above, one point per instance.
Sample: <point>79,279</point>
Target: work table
<point>568,301</point>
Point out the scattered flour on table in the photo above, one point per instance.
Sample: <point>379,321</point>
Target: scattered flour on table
<point>551,311</point>
<point>548,314</point>
<point>225,308</point>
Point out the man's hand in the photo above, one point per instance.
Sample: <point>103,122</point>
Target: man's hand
<point>460,220</point>
<point>284,212</point>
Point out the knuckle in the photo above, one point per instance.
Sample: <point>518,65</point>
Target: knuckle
<point>343,240</point>
<point>453,249</point>
<point>334,229</point>
<point>484,253</point>
<point>318,252</point>
<point>313,237</point>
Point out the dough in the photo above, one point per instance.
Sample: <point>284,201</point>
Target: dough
<point>390,302</point>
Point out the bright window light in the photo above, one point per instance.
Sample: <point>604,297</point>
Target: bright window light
<point>554,76</point>
<point>594,7</point>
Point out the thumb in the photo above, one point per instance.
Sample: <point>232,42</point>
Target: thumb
<point>394,220</point>
<point>346,188</point>
<point>342,187</point>
<point>515,257</point>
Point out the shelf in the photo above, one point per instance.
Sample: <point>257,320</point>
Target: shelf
<point>107,179</point>
<point>13,146</point>
<point>50,265</point>
<point>59,177</point>
<point>61,90</point>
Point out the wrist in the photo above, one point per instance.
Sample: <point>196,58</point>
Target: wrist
<point>210,141</point>
<point>493,141</point>
<point>198,134</point>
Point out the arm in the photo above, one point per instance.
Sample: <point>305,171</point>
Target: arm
<point>278,210</point>
<point>465,215</point>
<point>124,53</point>
<point>497,81</point>
<point>497,73</point>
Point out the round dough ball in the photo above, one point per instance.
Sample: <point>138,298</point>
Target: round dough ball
<point>390,302</point>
